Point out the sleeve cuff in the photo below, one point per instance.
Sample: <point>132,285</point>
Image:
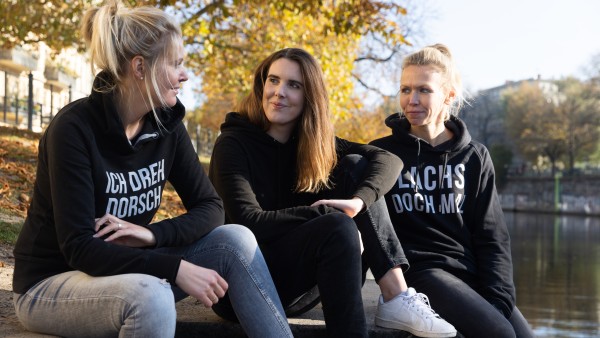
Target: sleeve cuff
<point>164,266</point>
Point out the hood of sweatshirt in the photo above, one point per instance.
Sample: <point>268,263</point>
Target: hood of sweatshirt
<point>105,116</point>
<point>424,153</point>
<point>401,127</point>
<point>271,165</point>
<point>236,123</point>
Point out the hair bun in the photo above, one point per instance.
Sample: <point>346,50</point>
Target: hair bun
<point>442,49</point>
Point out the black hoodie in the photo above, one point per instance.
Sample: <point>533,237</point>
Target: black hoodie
<point>87,167</point>
<point>446,211</point>
<point>255,175</point>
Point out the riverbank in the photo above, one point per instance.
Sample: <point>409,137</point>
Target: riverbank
<point>576,195</point>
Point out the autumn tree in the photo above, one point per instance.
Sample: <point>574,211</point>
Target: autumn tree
<point>562,124</point>
<point>591,73</point>
<point>54,22</point>
<point>364,126</point>
<point>579,109</point>
<point>227,39</point>
<point>227,71</point>
<point>333,31</point>
<point>484,116</point>
<point>532,122</point>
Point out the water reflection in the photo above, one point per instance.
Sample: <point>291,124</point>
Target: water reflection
<point>557,272</point>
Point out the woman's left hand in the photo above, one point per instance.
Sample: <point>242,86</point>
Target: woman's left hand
<point>350,207</point>
<point>123,233</point>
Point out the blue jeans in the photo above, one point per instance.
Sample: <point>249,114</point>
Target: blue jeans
<point>458,303</point>
<point>74,304</point>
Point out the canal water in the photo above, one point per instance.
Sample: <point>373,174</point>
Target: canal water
<point>557,272</point>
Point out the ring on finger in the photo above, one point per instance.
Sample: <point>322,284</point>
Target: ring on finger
<point>119,226</point>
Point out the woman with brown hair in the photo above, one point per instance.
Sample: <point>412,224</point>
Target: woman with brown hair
<point>281,171</point>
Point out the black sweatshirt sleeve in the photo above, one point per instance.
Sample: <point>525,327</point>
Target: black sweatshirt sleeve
<point>491,243</point>
<point>203,205</point>
<point>230,174</point>
<point>382,172</point>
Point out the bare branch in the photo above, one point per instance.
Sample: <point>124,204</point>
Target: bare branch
<point>366,86</point>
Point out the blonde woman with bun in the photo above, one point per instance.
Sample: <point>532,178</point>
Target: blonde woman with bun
<point>444,205</point>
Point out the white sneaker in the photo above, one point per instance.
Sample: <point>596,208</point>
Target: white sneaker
<point>411,312</point>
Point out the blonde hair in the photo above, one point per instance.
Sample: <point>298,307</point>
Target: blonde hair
<point>316,156</point>
<point>116,34</point>
<point>439,56</point>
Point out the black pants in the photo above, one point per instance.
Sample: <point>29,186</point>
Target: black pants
<point>325,252</point>
<point>458,303</point>
<point>382,247</point>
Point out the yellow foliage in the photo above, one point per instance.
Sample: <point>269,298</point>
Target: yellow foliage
<point>329,30</point>
<point>227,39</point>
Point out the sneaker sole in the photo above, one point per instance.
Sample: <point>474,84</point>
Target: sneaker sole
<point>395,325</point>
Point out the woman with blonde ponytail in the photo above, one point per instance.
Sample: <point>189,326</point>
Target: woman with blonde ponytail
<point>90,261</point>
<point>306,194</point>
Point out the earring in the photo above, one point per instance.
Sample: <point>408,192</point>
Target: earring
<point>141,77</point>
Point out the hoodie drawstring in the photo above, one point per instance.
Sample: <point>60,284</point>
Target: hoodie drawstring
<point>418,179</point>
<point>441,183</point>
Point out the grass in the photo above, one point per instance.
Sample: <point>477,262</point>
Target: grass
<point>9,232</point>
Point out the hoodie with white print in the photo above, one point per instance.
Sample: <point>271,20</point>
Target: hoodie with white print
<point>446,212</point>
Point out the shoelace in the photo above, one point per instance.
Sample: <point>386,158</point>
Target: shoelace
<point>421,302</point>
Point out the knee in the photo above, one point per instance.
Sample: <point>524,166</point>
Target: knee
<point>354,165</point>
<point>237,238</point>
<point>236,234</point>
<point>149,292</point>
<point>151,304</point>
<point>341,229</point>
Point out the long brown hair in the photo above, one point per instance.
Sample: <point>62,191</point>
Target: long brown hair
<point>316,140</point>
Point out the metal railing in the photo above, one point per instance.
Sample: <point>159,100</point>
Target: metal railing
<point>16,112</point>
<point>19,106</point>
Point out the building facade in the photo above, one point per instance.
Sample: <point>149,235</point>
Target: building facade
<point>34,85</point>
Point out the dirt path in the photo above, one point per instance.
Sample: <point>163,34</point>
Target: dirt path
<point>7,263</point>
<point>8,320</point>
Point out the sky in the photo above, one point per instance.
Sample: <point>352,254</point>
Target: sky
<point>496,41</point>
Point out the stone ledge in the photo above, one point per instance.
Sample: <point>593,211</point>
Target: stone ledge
<point>194,320</point>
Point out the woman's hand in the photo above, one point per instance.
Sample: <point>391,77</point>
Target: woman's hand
<point>205,285</point>
<point>123,233</point>
<point>350,207</point>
